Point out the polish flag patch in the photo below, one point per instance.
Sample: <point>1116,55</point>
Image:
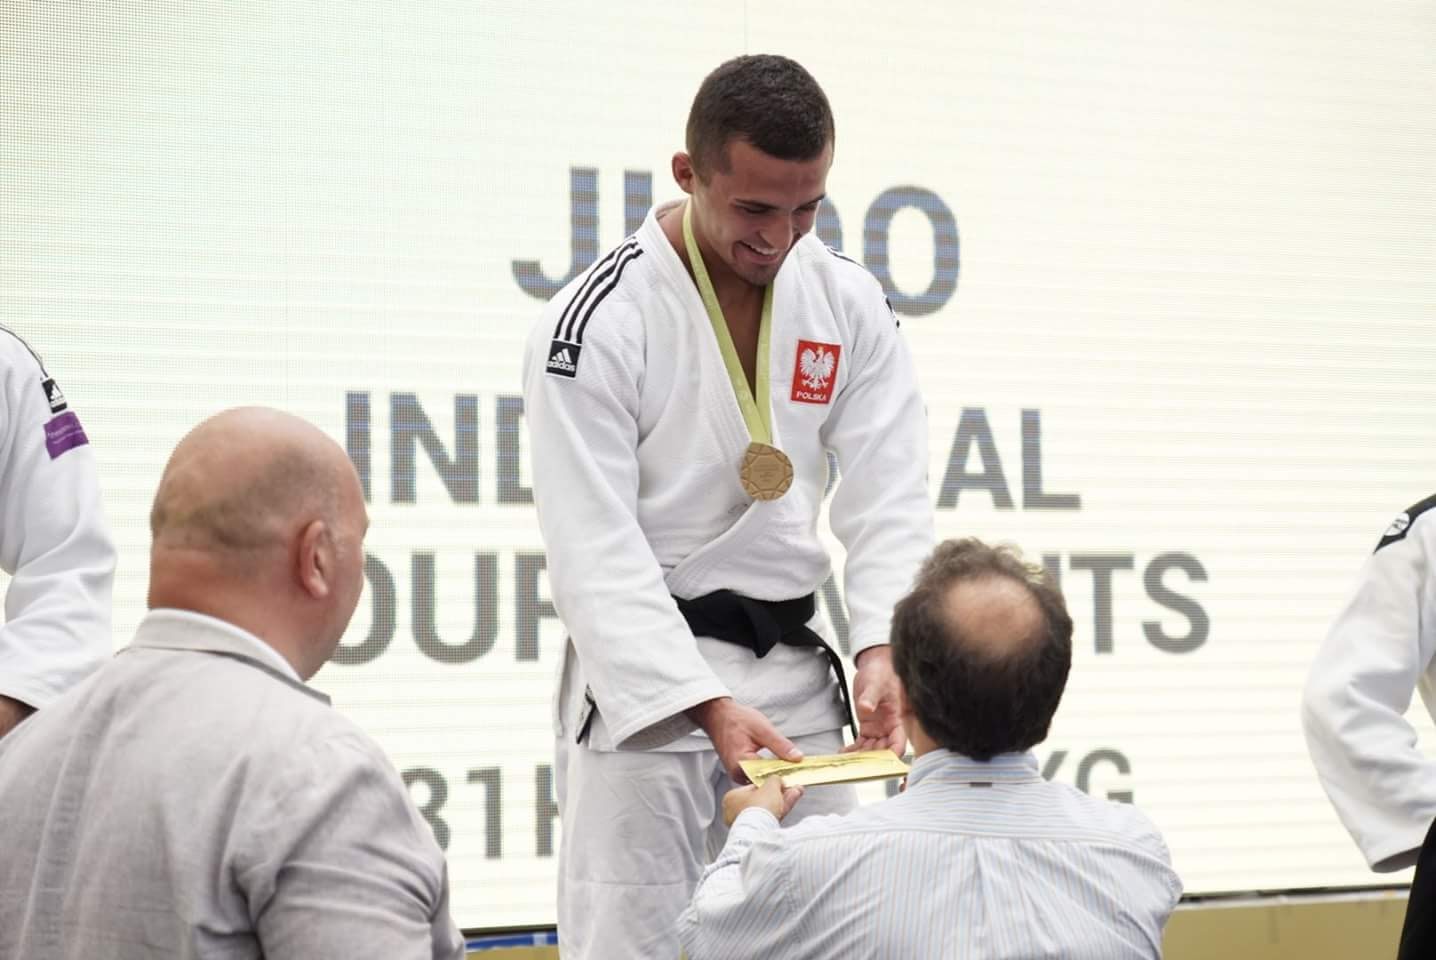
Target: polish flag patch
<point>815,370</point>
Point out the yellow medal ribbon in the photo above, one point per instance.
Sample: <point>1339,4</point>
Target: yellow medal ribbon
<point>753,403</point>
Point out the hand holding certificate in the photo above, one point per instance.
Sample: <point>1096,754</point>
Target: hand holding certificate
<point>834,768</point>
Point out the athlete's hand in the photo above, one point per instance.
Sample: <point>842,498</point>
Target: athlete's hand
<point>771,796</point>
<point>878,697</point>
<point>738,733</point>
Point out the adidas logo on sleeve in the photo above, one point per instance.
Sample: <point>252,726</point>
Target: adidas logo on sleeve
<point>53,395</point>
<point>563,358</point>
<point>602,279</point>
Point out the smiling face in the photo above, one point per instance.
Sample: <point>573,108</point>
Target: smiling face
<point>750,211</point>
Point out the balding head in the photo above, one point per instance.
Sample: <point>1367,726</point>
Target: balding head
<point>238,483</point>
<point>994,616</point>
<point>982,645</point>
<point>259,520</point>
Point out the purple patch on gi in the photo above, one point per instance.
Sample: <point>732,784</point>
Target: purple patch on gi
<point>64,433</point>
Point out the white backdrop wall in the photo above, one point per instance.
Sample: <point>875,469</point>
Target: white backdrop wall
<point>1167,271</point>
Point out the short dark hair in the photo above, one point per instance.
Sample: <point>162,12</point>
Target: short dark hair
<point>767,100</point>
<point>969,699</point>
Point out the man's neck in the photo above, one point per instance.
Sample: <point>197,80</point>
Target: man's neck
<point>733,292</point>
<point>917,738</point>
<point>192,580</point>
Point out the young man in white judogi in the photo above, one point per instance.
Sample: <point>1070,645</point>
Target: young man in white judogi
<point>683,396</point>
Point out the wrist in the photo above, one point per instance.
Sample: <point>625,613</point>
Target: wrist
<point>706,712</point>
<point>738,802</point>
<point>881,651</point>
<point>758,815</point>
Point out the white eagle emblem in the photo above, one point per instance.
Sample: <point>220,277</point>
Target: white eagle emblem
<point>817,367</point>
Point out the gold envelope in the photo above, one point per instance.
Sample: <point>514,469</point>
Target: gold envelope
<point>833,768</point>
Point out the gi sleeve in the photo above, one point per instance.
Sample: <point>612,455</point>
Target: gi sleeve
<point>742,906</point>
<point>1359,687</point>
<point>881,511</point>
<point>638,655</point>
<point>54,541</point>
<point>337,863</point>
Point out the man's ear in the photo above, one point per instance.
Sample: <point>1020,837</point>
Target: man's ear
<point>684,173</point>
<point>315,560</point>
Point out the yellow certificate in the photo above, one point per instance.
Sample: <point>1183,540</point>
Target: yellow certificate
<point>834,768</point>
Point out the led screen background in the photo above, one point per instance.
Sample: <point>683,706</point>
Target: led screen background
<point>1186,355</point>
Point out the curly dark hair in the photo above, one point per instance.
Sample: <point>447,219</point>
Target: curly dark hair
<point>767,100</point>
<point>972,695</point>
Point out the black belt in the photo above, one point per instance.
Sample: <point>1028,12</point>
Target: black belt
<point>758,625</point>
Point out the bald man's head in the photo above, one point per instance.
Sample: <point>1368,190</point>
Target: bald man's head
<point>983,646</point>
<point>259,520</point>
<point>238,483</point>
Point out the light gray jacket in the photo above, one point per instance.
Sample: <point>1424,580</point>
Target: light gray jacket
<point>191,801</point>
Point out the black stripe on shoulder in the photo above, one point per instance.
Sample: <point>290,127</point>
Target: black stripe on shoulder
<point>896,322</point>
<point>847,259</point>
<point>5,329</point>
<point>623,263</point>
<point>596,276</point>
<point>1404,520</point>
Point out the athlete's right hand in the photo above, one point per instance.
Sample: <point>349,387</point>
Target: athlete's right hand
<point>738,733</point>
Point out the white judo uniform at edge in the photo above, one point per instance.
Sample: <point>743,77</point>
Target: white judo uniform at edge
<point>635,465</point>
<point>1380,650</point>
<point>53,541</point>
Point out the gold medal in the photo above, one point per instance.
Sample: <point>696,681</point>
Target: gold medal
<point>767,473</point>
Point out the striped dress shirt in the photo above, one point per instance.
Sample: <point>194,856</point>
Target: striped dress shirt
<point>975,860</point>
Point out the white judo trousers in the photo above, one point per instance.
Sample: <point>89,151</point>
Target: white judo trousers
<point>637,830</point>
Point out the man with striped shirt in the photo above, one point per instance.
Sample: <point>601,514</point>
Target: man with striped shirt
<point>979,857</point>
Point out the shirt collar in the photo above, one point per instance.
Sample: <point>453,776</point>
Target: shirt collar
<point>169,629</point>
<point>951,767</point>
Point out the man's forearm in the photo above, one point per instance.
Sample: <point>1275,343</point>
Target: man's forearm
<point>735,913</point>
<point>705,713</point>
